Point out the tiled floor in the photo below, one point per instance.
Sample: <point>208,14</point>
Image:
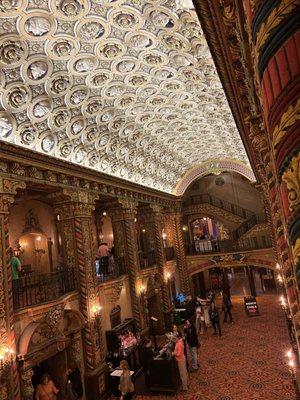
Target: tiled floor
<point>247,363</point>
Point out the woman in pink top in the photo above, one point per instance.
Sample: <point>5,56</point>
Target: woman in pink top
<point>46,389</point>
<point>181,361</point>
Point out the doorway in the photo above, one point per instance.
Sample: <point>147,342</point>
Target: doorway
<point>56,366</point>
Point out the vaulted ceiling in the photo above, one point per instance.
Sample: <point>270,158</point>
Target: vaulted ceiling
<point>128,88</point>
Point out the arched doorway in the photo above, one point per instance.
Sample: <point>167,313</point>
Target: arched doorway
<point>49,345</point>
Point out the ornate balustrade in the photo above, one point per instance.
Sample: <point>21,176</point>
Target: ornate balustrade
<point>215,201</point>
<point>116,269</point>
<point>41,288</point>
<point>223,246</point>
<point>147,259</point>
<point>170,253</point>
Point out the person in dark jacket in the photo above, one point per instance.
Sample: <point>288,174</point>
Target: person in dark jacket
<point>214,317</point>
<point>146,356</point>
<point>74,383</point>
<point>193,343</point>
<point>226,306</point>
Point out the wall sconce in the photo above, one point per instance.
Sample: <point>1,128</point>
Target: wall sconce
<point>164,236</point>
<point>168,275</point>
<point>96,311</point>
<point>143,230</point>
<point>104,213</point>
<point>283,302</point>
<point>279,278</point>
<point>142,289</point>
<point>7,356</point>
<point>185,228</point>
<point>278,266</point>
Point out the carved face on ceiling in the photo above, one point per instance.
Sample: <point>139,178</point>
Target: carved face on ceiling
<point>128,88</point>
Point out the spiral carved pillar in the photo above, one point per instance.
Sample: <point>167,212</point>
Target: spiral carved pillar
<point>173,220</point>
<point>9,377</point>
<point>76,219</point>
<point>155,218</point>
<point>275,37</point>
<point>123,215</point>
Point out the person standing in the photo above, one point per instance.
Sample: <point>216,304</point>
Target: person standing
<point>181,360</point>
<point>146,356</point>
<point>226,306</point>
<point>126,385</point>
<point>74,383</point>
<point>16,267</point>
<point>193,343</point>
<point>46,390</point>
<point>215,319</point>
<point>103,253</point>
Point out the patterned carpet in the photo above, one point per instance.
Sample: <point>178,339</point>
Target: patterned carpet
<point>247,363</point>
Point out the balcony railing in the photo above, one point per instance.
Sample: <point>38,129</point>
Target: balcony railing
<point>116,268</point>
<point>42,288</point>
<point>215,201</point>
<point>223,246</point>
<point>248,224</point>
<point>147,259</point>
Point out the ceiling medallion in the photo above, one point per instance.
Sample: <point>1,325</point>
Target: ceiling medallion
<point>13,51</point>
<point>127,90</point>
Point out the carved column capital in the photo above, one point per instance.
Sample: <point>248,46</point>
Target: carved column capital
<point>8,190</point>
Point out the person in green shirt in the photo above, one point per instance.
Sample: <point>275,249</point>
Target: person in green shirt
<point>15,264</point>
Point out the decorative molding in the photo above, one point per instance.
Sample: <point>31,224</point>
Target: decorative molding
<point>289,118</point>
<point>215,167</point>
<point>291,177</point>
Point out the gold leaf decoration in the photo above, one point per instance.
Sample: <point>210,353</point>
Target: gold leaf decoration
<point>292,179</point>
<point>288,119</point>
<point>274,19</point>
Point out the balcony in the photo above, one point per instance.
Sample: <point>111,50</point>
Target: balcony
<point>169,253</point>
<point>147,259</point>
<point>223,204</point>
<point>35,289</point>
<point>224,246</point>
<point>116,268</point>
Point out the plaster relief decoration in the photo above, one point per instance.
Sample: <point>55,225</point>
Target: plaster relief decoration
<point>128,88</point>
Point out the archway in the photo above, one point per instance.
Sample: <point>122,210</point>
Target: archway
<point>215,167</point>
<point>49,345</point>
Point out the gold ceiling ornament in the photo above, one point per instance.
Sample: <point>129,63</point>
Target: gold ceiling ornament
<point>128,90</point>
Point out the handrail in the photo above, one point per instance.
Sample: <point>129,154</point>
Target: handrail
<point>247,225</point>
<point>116,268</point>
<point>34,289</point>
<point>224,246</point>
<point>215,201</point>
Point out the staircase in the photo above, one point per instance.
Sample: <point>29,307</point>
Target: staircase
<point>251,219</point>
<point>223,204</point>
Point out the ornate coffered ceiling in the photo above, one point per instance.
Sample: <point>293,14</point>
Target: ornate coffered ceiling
<point>128,88</point>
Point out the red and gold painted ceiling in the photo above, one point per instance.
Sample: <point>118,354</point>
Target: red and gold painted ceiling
<point>127,88</point>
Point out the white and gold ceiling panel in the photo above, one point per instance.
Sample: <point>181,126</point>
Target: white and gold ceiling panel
<point>126,87</point>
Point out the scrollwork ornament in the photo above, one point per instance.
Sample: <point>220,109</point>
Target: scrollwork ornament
<point>291,177</point>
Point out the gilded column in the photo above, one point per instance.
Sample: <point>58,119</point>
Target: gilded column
<point>9,377</point>
<point>275,38</point>
<point>75,211</point>
<point>123,216</point>
<point>173,224</point>
<point>155,217</point>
